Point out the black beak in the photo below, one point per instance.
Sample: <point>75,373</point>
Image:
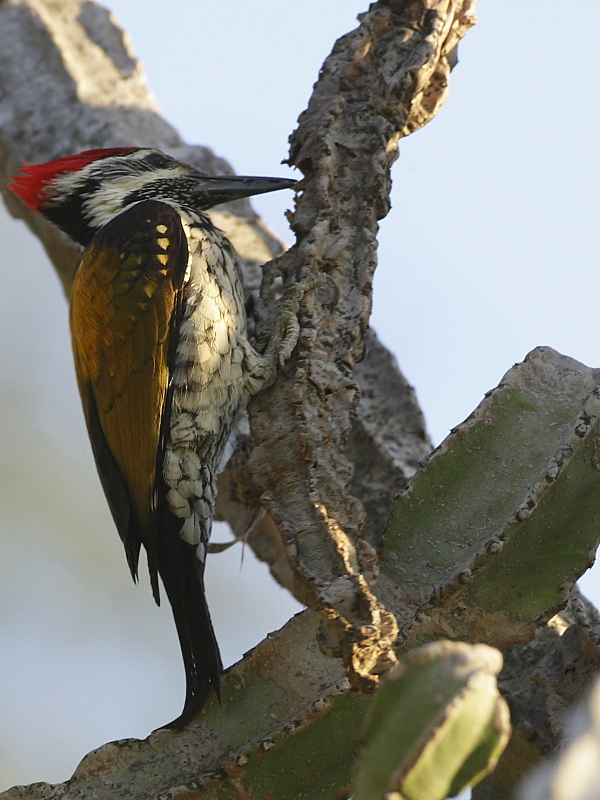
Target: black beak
<point>210,191</point>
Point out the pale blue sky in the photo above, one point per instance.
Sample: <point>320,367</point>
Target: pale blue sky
<point>489,251</point>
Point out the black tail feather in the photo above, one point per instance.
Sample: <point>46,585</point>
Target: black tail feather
<point>182,575</point>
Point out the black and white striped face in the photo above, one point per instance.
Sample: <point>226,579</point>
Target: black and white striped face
<point>82,202</point>
<point>81,193</point>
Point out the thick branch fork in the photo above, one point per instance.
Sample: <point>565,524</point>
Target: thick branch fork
<point>382,81</point>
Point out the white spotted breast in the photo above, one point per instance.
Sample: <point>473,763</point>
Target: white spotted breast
<point>206,380</point>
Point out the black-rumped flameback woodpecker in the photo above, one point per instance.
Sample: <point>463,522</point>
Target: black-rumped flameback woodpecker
<point>162,356</point>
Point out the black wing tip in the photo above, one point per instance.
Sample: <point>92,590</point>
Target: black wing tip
<point>154,586</point>
<point>132,554</point>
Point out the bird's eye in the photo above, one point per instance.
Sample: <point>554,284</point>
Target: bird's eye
<point>156,160</point>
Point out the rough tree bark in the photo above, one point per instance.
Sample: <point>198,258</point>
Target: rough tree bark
<point>339,434</point>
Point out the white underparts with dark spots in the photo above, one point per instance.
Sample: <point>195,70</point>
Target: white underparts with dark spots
<point>209,375</point>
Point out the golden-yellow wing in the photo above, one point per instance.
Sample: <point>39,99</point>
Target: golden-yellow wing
<point>125,311</point>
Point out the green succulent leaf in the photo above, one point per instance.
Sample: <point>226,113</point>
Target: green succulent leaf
<point>436,725</point>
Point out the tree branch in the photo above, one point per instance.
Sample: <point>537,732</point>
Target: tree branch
<point>382,81</point>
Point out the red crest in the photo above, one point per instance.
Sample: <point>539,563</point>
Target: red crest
<point>29,186</point>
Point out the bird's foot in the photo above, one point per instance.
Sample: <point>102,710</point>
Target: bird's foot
<point>287,327</point>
